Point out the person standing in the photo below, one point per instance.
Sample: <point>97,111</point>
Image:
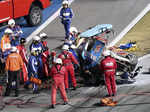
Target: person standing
<point>36,44</point>
<point>68,59</point>
<point>33,67</point>
<point>66,15</point>
<point>14,65</point>
<point>45,54</point>
<point>6,43</point>
<point>16,32</point>
<point>109,66</point>
<point>23,53</point>
<point>57,73</point>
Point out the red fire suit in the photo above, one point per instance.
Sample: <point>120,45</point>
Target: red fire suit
<point>58,72</point>
<point>23,54</point>
<point>45,56</point>
<point>67,59</point>
<point>108,65</point>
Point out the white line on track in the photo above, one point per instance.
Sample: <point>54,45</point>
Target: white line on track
<point>131,25</point>
<point>50,19</point>
<point>120,36</point>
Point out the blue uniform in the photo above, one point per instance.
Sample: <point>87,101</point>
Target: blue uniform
<point>33,69</point>
<point>16,34</point>
<point>39,48</point>
<point>66,15</point>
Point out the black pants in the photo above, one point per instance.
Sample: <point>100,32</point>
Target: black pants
<point>13,77</point>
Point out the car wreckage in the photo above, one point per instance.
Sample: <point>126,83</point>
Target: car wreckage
<point>88,50</point>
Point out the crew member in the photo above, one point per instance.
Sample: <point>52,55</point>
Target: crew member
<point>45,56</point>
<point>109,66</point>
<point>5,43</point>
<point>68,59</point>
<point>14,64</point>
<point>57,73</point>
<point>16,32</point>
<point>23,53</point>
<point>66,15</point>
<point>36,44</point>
<point>33,68</point>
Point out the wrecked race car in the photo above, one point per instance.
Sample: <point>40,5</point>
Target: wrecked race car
<point>88,51</point>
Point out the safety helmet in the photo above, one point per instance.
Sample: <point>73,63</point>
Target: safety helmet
<point>8,31</point>
<point>36,38</point>
<point>22,40</point>
<point>73,30</point>
<point>65,47</point>
<point>11,22</point>
<point>65,2</point>
<point>106,53</point>
<point>13,49</point>
<point>58,61</point>
<point>43,35</point>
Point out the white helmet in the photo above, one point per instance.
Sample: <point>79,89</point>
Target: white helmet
<point>65,2</point>
<point>37,38</point>
<point>43,35</point>
<point>65,47</point>
<point>106,53</point>
<point>58,61</point>
<point>13,49</point>
<point>73,29</point>
<point>11,22</point>
<point>8,31</point>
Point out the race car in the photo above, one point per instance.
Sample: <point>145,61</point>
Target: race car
<point>89,48</point>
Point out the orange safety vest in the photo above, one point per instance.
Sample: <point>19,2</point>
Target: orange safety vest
<point>14,62</point>
<point>5,43</point>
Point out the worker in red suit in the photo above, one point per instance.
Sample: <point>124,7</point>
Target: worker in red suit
<point>57,73</point>
<point>68,60</point>
<point>23,53</point>
<point>109,66</point>
<point>45,54</point>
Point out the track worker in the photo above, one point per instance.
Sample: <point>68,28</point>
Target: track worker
<point>66,15</point>
<point>17,32</point>
<point>33,67</point>
<point>68,60</point>
<point>23,53</point>
<point>57,73</point>
<point>109,66</point>
<point>6,42</point>
<point>14,65</point>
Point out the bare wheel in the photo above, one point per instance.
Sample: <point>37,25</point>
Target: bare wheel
<point>35,16</point>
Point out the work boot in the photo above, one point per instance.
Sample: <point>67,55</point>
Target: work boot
<point>26,86</point>
<point>6,94</point>
<point>65,103</point>
<point>108,95</point>
<point>67,90</point>
<point>36,92</point>
<point>74,88</point>
<point>16,95</point>
<point>53,106</point>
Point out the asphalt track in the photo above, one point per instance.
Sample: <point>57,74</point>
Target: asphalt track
<point>133,98</point>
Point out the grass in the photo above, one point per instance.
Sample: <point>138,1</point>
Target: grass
<point>141,34</point>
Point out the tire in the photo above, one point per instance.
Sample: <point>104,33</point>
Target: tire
<point>133,59</point>
<point>35,16</point>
